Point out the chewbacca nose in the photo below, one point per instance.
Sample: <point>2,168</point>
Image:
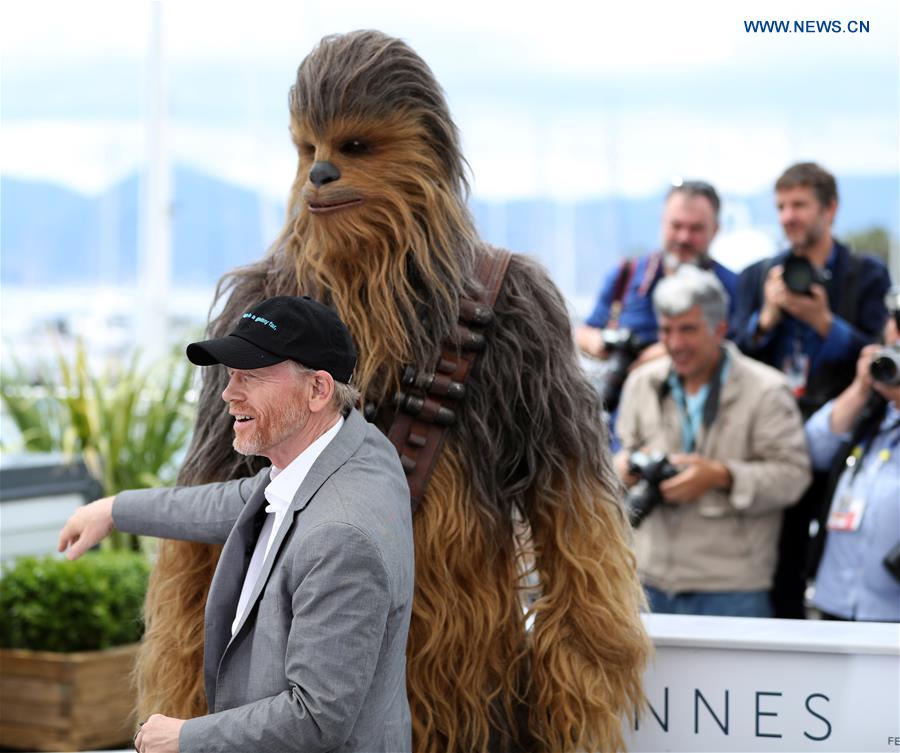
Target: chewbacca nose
<point>323,172</point>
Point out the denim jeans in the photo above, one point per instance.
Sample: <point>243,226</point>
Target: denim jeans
<point>719,603</point>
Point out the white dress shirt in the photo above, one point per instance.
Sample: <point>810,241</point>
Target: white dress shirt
<point>279,494</point>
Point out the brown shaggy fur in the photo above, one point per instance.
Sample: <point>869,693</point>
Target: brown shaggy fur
<point>528,446</point>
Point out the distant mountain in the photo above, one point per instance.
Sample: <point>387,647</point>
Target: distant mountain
<point>50,235</point>
<point>43,228</point>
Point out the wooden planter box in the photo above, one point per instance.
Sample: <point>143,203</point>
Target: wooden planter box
<point>66,701</point>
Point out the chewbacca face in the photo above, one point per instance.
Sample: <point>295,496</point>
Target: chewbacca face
<point>356,172</point>
<point>377,221</point>
<point>374,135</point>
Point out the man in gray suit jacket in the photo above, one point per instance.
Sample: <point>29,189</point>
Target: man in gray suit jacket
<point>309,608</point>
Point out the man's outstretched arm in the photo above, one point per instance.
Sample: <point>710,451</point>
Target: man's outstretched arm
<point>204,513</point>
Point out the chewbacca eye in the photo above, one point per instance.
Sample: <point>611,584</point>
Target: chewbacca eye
<point>354,146</point>
<point>307,150</point>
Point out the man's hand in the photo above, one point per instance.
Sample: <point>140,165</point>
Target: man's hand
<point>87,527</point>
<point>774,290</point>
<point>620,464</point>
<point>862,380</point>
<point>891,393</point>
<point>700,475</point>
<point>590,341</point>
<point>851,401</point>
<point>159,734</point>
<point>651,352</point>
<point>812,309</point>
<point>891,337</point>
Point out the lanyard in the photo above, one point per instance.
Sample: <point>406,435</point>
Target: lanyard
<point>710,404</point>
<point>688,433</point>
<point>858,455</point>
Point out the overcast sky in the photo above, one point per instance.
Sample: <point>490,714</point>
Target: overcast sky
<point>563,99</point>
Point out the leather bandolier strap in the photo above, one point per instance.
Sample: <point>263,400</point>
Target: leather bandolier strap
<point>426,403</point>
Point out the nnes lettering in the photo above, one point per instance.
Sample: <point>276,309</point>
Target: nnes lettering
<point>705,712</point>
<point>735,685</point>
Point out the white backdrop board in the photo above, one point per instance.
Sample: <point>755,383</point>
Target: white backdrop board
<point>732,684</point>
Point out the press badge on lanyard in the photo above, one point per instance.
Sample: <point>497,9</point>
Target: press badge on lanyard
<point>848,509</point>
<point>846,515</point>
<point>796,368</point>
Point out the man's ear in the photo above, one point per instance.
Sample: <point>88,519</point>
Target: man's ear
<point>722,329</point>
<point>322,390</point>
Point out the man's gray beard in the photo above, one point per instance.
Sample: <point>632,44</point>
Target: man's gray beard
<point>672,262</point>
<point>248,447</point>
<point>288,420</point>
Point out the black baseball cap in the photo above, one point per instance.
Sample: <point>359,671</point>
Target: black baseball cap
<point>280,329</point>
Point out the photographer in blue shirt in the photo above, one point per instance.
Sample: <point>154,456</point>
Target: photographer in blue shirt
<point>622,329</point>
<point>857,436</point>
<point>690,221</point>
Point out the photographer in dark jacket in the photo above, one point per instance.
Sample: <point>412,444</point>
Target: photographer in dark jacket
<point>808,312</point>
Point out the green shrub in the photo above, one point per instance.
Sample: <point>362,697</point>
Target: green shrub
<point>51,604</point>
<point>129,423</point>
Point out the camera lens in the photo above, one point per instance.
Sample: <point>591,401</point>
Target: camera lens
<point>885,367</point>
<point>798,274</point>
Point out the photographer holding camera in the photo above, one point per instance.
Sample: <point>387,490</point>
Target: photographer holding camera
<point>808,311</point>
<point>622,328</point>
<point>857,437</point>
<point>723,453</point>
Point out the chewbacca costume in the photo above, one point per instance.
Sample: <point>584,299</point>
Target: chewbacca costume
<point>522,505</point>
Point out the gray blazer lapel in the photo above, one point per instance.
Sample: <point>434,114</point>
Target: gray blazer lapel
<point>227,581</point>
<point>338,452</point>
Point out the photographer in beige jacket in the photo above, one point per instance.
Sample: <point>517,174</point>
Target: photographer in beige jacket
<point>733,438</point>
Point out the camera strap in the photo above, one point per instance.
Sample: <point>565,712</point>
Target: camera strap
<point>710,404</point>
<point>855,459</point>
<point>652,274</point>
<point>623,280</point>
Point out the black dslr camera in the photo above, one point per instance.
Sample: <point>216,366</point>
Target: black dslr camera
<point>799,275</point>
<point>645,496</point>
<point>622,347</point>
<point>885,366</point>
